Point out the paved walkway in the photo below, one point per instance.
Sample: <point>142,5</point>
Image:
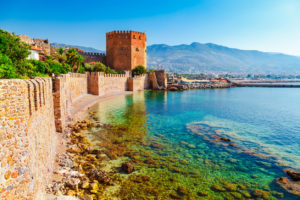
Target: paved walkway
<point>89,100</point>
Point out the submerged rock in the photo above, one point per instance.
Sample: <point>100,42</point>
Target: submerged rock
<point>139,178</point>
<point>175,196</point>
<point>218,188</point>
<point>225,139</point>
<point>261,194</point>
<point>128,167</point>
<point>156,145</point>
<point>292,187</point>
<point>230,187</point>
<point>202,193</point>
<point>159,135</point>
<point>295,176</point>
<point>99,175</point>
<point>182,190</point>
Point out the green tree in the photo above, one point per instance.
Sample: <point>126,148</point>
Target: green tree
<point>139,70</point>
<point>61,51</point>
<point>99,67</point>
<point>7,70</point>
<point>74,59</point>
<point>61,57</point>
<point>79,61</point>
<point>13,47</point>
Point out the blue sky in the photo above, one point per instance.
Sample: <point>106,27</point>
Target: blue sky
<point>267,25</point>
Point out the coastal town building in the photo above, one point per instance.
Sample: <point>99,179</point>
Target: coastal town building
<point>42,44</point>
<point>34,55</point>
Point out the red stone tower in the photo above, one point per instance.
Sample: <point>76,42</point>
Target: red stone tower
<point>125,50</point>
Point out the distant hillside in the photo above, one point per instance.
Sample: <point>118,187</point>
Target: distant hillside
<point>197,57</point>
<point>87,49</point>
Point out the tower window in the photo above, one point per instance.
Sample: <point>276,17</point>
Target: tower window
<point>140,37</point>
<point>137,49</point>
<point>133,36</point>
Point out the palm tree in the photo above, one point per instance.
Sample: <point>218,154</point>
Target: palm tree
<point>72,58</point>
<point>60,57</point>
<point>79,61</point>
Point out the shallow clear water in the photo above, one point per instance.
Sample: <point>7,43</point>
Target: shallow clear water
<point>177,137</point>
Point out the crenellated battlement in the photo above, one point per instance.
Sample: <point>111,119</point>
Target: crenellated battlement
<point>125,33</point>
<point>92,54</point>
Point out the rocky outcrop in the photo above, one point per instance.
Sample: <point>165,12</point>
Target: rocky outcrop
<point>290,186</point>
<point>295,176</point>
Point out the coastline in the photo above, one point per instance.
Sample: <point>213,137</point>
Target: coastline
<point>65,154</point>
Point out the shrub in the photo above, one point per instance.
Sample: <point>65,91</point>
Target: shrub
<point>100,67</point>
<point>139,70</point>
<point>25,69</point>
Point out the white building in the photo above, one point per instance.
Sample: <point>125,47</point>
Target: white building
<point>34,55</point>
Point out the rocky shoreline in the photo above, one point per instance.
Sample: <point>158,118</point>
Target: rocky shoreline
<point>78,170</point>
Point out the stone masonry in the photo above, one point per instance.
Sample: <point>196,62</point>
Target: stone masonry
<point>67,89</point>
<point>27,138</point>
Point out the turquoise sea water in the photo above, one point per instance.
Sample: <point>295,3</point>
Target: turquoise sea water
<point>280,83</point>
<point>262,123</point>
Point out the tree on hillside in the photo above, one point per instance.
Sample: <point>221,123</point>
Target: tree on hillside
<point>139,70</point>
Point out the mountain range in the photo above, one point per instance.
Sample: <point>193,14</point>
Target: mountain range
<point>198,58</point>
<point>87,49</point>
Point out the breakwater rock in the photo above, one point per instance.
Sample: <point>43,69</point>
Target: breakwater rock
<point>180,87</point>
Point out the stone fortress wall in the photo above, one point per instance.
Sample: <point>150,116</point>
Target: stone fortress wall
<point>27,137</point>
<point>93,57</point>
<point>138,83</point>
<point>107,84</point>
<point>31,112</point>
<point>67,89</point>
